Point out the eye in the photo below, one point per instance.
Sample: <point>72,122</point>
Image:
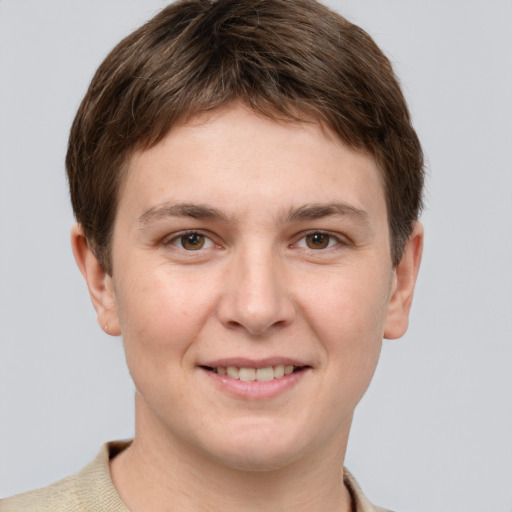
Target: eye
<point>192,241</point>
<point>318,240</point>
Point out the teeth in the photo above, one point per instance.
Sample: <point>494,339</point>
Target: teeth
<point>278,371</point>
<point>251,374</point>
<point>265,374</point>
<point>232,372</point>
<point>247,374</point>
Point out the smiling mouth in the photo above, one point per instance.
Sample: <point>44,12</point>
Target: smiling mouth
<point>265,374</point>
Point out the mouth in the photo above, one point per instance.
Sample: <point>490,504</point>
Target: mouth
<point>251,374</point>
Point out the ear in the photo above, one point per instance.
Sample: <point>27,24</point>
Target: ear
<point>404,279</point>
<point>100,284</point>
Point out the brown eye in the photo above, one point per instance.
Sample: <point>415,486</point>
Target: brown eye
<point>192,241</point>
<point>317,240</point>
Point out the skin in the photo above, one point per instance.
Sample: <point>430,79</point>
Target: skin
<point>282,273</point>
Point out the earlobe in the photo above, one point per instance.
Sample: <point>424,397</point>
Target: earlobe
<point>406,272</point>
<point>99,283</point>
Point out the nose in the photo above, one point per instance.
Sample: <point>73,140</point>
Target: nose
<point>255,295</point>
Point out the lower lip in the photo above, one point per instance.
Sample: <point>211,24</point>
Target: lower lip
<point>256,390</point>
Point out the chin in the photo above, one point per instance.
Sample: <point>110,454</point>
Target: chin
<point>263,460</point>
<point>258,449</point>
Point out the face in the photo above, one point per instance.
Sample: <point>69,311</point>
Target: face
<point>252,285</point>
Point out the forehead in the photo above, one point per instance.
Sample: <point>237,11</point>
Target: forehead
<point>233,155</point>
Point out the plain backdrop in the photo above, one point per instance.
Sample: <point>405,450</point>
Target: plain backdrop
<point>434,432</point>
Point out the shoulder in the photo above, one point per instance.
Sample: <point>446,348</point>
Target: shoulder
<point>360,502</point>
<point>60,496</point>
<point>89,490</point>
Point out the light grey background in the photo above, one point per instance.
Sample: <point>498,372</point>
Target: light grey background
<point>434,432</point>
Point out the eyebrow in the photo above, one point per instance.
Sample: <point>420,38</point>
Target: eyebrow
<point>199,211</point>
<point>194,211</point>
<point>319,211</point>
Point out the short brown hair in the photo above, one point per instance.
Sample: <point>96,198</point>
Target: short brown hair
<point>294,60</point>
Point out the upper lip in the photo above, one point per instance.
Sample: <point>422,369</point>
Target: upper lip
<point>242,362</point>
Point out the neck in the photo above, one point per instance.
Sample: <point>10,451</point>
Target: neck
<point>151,475</point>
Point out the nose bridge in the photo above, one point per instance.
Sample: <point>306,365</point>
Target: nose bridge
<point>255,297</point>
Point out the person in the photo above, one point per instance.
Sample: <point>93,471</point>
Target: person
<point>247,187</point>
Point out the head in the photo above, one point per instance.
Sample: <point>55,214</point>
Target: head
<point>295,61</point>
<point>247,183</point>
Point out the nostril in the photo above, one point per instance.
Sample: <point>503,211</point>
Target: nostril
<point>254,326</point>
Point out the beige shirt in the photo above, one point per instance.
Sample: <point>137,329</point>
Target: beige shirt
<point>92,490</point>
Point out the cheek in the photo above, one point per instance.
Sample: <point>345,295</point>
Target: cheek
<point>348,305</point>
<point>348,317</point>
<point>161,314</point>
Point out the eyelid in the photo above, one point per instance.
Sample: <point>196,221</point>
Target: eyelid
<point>173,240</point>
